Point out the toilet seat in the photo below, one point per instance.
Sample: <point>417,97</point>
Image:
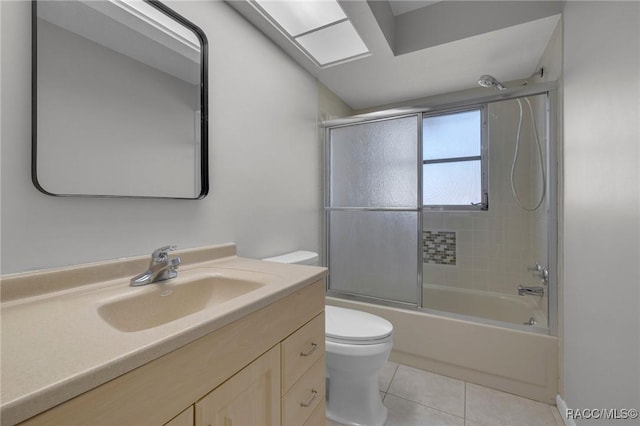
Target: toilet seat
<point>353,327</point>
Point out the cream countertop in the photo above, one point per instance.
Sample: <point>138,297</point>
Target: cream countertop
<point>56,346</point>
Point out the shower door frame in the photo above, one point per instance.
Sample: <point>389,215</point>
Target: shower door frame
<point>418,210</point>
<point>553,158</point>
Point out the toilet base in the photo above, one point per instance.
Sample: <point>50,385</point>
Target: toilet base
<point>355,401</point>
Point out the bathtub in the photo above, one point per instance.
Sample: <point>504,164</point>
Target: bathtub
<point>512,360</point>
<point>512,309</point>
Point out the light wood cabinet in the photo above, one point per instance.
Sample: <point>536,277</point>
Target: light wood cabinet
<point>319,415</point>
<point>183,419</point>
<point>301,350</point>
<point>304,396</point>
<point>303,377</point>
<point>251,397</point>
<point>232,376</point>
<point>254,396</point>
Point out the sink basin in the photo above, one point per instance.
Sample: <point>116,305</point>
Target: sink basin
<point>159,303</point>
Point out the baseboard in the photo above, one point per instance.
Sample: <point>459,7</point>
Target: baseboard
<point>562,408</point>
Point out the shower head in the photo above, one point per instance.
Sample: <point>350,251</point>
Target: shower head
<point>490,81</point>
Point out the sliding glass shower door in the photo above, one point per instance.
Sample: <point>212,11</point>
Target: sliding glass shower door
<point>373,209</point>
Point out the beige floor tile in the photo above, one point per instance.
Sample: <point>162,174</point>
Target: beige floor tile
<point>493,408</point>
<point>386,374</point>
<point>470,423</point>
<point>406,413</point>
<point>433,390</point>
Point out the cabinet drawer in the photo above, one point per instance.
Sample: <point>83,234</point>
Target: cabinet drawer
<point>304,396</point>
<point>301,350</point>
<point>319,416</point>
<point>183,419</point>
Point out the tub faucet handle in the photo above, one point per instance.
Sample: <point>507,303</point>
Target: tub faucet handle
<point>536,268</point>
<point>540,271</point>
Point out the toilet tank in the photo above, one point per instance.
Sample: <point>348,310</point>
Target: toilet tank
<point>300,257</point>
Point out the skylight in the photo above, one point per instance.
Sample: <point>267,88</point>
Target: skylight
<point>319,28</point>
<point>297,17</point>
<point>334,43</point>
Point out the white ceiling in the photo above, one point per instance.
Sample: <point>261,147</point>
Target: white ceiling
<point>432,49</point>
<point>398,7</point>
<point>508,54</point>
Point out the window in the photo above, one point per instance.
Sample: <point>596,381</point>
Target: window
<point>454,160</point>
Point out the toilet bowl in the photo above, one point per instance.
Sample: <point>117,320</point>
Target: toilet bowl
<point>357,346</point>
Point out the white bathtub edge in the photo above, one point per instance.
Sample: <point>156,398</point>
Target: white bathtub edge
<point>562,408</point>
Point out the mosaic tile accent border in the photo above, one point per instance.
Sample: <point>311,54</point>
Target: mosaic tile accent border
<point>439,247</point>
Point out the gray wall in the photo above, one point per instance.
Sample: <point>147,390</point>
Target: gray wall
<point>601,206</point>
<point>264,160</point>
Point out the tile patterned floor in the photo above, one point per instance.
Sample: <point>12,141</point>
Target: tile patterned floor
<point>420,398</point>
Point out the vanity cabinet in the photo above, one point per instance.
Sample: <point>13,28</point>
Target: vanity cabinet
<point>183,419</point>
<point>265,368</point>
<point>251,397</point>
<point>303,377</point>
<point>255,396</point>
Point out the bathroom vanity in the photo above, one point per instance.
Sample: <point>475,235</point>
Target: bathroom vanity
<point>105,353</point>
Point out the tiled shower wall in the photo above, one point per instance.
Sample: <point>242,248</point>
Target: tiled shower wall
<point>494,248</point>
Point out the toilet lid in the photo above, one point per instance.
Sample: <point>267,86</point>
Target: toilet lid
<point>355,326</point>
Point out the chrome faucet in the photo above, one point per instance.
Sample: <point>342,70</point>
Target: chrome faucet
<point>534,291</point>
<point>161,268</point>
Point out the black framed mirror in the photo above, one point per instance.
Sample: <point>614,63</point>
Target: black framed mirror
<point>119,100</point>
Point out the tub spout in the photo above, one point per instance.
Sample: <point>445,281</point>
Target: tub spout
<point>534,291</point>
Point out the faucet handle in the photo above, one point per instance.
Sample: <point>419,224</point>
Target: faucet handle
<point>170,269</point>
<point>161,253</point>
<point>174,263</point>
<point>536,268</point>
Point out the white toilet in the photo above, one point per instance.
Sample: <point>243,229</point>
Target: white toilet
<point>358,345</point>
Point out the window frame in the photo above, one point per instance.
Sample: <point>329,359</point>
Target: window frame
<point>484,159</point>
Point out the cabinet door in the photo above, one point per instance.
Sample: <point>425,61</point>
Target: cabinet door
<point>251,397</point>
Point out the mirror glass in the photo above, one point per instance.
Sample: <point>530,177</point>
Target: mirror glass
<point>119,100</point>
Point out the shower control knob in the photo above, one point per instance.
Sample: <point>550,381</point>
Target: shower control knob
<point>540,271</point>
<point>536,268</point>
